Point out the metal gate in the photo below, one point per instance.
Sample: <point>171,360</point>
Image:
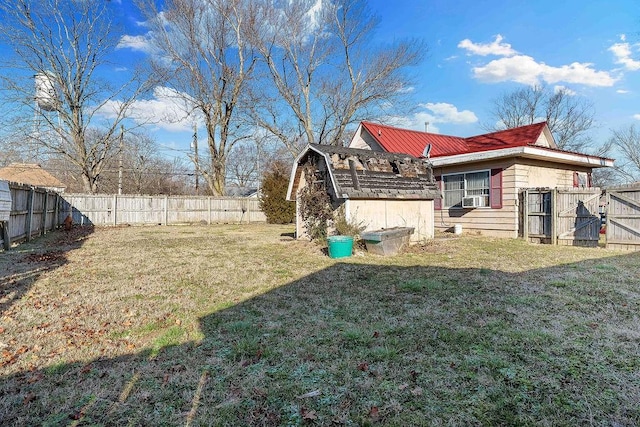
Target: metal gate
<point>561,216</point>
<point>623,217</point>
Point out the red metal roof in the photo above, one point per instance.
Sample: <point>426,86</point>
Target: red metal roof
<point>412,142</point>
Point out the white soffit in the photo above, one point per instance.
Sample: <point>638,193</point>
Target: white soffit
<point>530,152</point>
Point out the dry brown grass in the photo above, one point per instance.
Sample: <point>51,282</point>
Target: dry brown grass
<point>233,325</point>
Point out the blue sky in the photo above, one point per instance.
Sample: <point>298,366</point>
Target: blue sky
<point>478,50</point>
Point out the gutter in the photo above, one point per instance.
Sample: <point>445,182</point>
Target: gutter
<point>527,152</point>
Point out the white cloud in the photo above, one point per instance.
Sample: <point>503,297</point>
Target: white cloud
<point>168,110</point>
<point>566,90</point>
<point>448,113</point>
<point>636,116</point>
<point>483,49</point>
<point>622,52</point>
<point>524,69</point>
<point>623,37</point>
<point>433,114</point>
<point>139,43</point>
<point>622,91</point>
<point>315,12</point>
<point>415,122</point>
<point>406,89</point>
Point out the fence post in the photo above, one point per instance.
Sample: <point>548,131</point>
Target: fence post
<point>166,210</point>
<point>525,215</point>
<point>554,216</point>
<point>43,231</point>
<point>115,209</point>
<point>56,213</point>
<point>30,200</point>
<point>6,240</point>
<point>607,229</point>
<point>209,205</point>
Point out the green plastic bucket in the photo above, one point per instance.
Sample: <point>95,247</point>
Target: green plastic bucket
<point>340,246</point>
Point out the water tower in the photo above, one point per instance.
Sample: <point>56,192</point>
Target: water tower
<point>47,102</point>
<point>46,94</point>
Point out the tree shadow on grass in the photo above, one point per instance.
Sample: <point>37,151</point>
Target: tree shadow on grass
<point>357,344</point>
<point>21,266</point>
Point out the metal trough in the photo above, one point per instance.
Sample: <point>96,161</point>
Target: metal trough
<point>388,241</point>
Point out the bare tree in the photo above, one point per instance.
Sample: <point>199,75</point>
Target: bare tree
<point>64,43</point>
<point>248,160</point>
<point>324,70</point>
<point>626,141</point>
<point>147,172</point>
<point>569,117</point>
<point>243,165</point>
<point>207,59</point>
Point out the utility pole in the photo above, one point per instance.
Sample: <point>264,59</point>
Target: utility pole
<point>121,159</point>
<point>259,173</point>
<point>195,156</point>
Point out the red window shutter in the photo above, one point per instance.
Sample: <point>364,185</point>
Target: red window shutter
<point>589,180</point>
<point>576,180</point>
<point>437,203</point>
<point>495,194</point>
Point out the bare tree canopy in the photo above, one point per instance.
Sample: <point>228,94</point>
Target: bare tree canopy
<point>569,117</point>
<point>206,57</point>
<point>63,44</point>
<point>626,141</point>
<point>144,170</point>
<point>324,72</point>
<point>301,70</point>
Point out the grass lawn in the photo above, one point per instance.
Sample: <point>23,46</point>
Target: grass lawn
<point>241,325</point>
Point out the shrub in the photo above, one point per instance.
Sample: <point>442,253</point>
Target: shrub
<point>347,227</point>
<point>315,205</point>
<point>273,203</point>
<point>319,214</point>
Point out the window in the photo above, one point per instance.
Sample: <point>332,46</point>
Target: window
<point>466,185</point>
<point>483,187</point>
<point>582,180</point>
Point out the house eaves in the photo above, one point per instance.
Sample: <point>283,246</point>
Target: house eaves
<point>530,152</point>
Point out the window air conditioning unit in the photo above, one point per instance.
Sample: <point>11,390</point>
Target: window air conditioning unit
<point>472,202</point>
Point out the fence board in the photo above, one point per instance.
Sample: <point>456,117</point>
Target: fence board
<point>563,216</point>
<point>142,210</point>
<point>33,212</point>
<point>623,217</point>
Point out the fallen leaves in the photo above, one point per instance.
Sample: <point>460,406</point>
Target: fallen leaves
<point>308,414</point>
<point>35,378</point>
<point>374,414</point>
<point>11,357</point>
<point>28,398</point>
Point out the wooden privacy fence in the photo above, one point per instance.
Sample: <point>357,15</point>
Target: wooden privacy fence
<point>33,212</point>
<point>623,217</point>
<point>561,216</point>
<point>140,210</point>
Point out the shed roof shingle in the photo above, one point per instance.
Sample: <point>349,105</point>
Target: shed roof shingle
<point>366,174</point>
